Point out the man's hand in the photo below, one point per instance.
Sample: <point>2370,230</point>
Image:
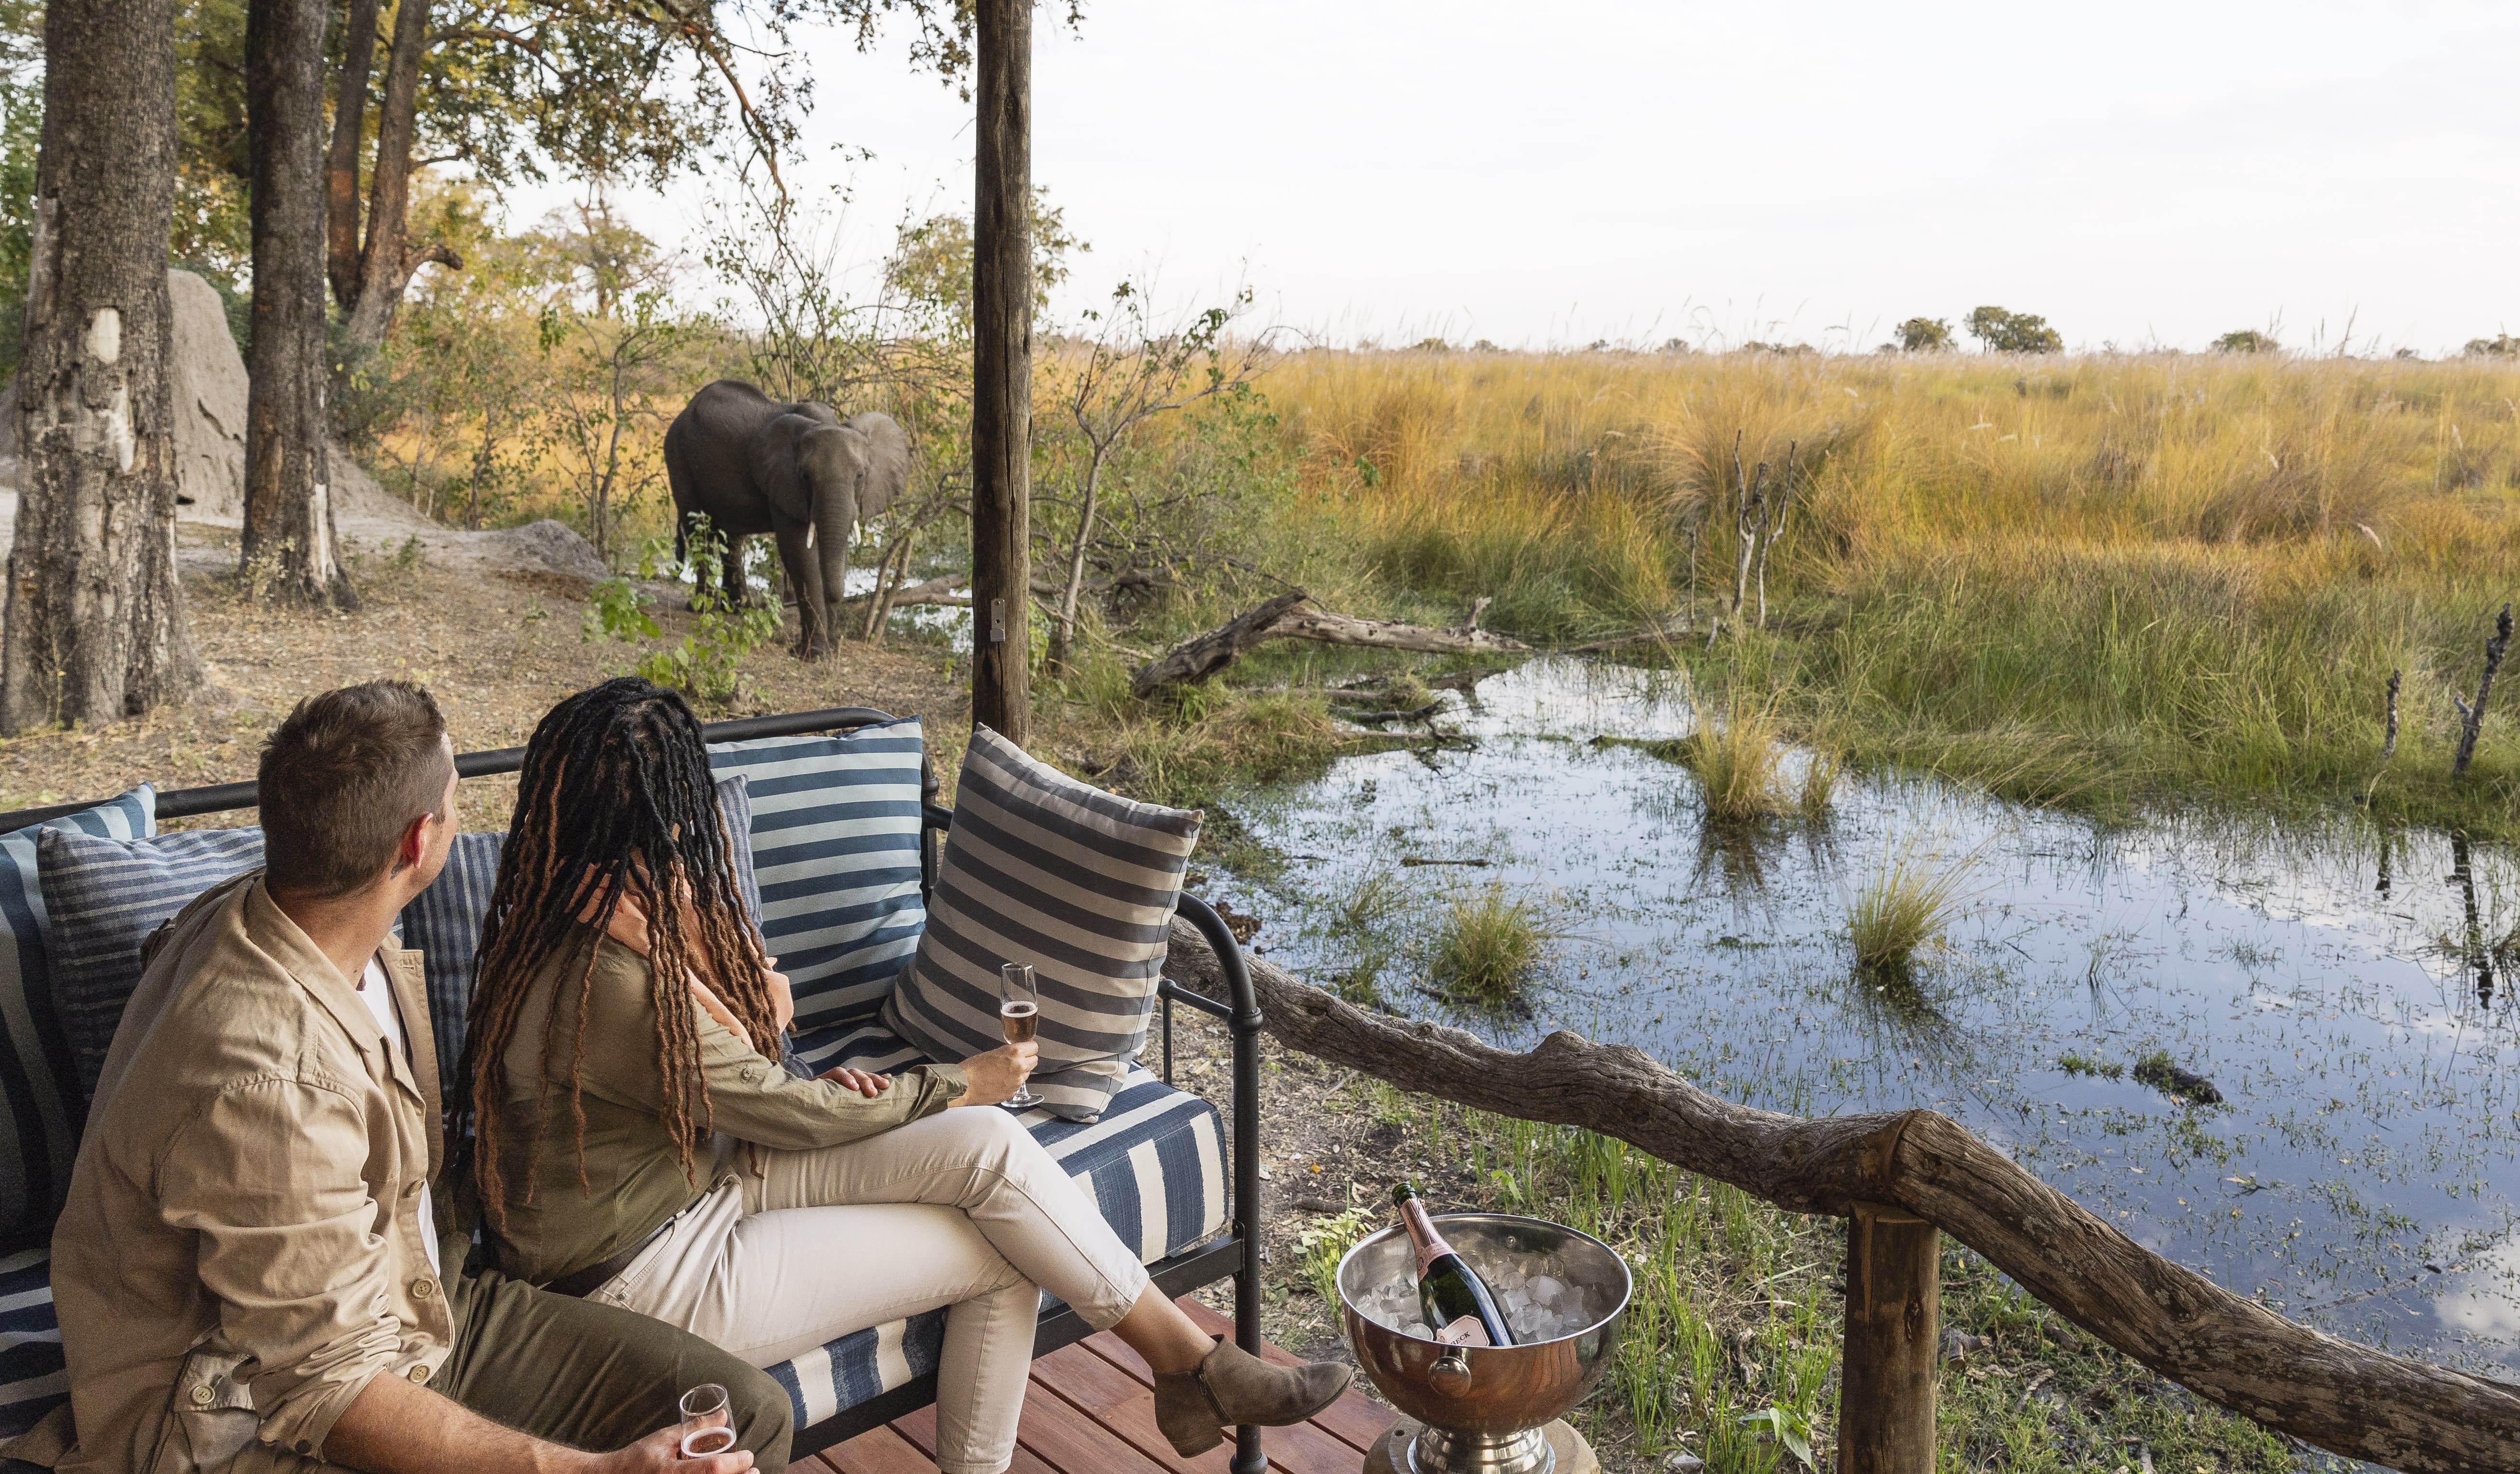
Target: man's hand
<point>864,1081</point>
<point>661,1450</point>
<point>999,1074</point>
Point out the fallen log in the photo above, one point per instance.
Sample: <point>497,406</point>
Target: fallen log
<point>2351,1400</point>
<point>1204,654</point>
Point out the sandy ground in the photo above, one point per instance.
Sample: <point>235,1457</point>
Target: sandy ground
<point>497,642</point>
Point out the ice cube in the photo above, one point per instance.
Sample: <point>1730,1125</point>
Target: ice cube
<point>1545,1290</point>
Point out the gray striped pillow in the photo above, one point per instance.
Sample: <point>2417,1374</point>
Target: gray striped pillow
<point>102,899</point>
<point>1043,870</point>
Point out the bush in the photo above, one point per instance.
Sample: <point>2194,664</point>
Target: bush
<point>1925,335</point>
<point>2006,332</point>
<point>703,664</point>
<point>2500,346</point>
<point>2246,341</point>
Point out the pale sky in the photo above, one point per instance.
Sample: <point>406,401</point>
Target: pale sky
<point>1549,173</point>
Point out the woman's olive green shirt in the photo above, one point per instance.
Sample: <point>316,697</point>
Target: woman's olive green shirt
<point>557,1222</point>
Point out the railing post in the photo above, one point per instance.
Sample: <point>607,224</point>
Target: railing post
<point>1894,1282</point>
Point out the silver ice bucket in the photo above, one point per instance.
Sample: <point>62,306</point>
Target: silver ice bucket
<point>1484,1406</point>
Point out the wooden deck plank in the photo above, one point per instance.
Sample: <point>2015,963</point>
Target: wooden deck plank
<point>878,1451</point>
<point>919,1428</point>
<point>1068,1438</point>
<point>1091,1410</point>
<point>1355,1419</point>
<point>1121,1404</point>
<point>1302,1449</point>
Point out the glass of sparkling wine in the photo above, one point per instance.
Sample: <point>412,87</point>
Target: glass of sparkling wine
<point>706,1426</point>
<point>1019,1015</point>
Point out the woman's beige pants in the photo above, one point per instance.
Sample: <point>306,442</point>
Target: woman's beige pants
<point>961,1209</point>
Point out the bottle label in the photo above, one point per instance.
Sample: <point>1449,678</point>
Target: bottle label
<point>1465,1331</point>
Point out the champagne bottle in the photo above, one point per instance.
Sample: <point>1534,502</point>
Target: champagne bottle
<point>1456,1302</point>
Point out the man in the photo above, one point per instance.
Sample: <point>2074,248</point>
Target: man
<point>248,1270</point>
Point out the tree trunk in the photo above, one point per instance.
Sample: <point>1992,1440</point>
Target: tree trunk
<point>1062,637</point>
<point>1002,373</point>
<point>95,627</point>
<point>386,262</point>
<point>341,164</point>
<point>290,544</point>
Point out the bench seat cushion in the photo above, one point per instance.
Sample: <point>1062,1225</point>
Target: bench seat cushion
<point>1154,1164</point>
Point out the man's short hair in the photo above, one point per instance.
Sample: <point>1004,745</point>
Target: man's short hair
<point>342,781</point>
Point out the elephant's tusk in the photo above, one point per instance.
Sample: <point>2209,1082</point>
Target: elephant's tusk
<point>809,534</point>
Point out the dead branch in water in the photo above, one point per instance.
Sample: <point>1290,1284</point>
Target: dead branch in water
<point>2472,718</point>
<point>2390,1411</point>
<point>1204,654</point>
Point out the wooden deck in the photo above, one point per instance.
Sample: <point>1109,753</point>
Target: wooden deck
<point>1091,1410</point>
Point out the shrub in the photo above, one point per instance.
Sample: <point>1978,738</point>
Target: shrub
<point>2006,332</point>
<point>703,664</point>
<point>2246,341</point>
<point>2500,346</point>
<point>1925,335</point>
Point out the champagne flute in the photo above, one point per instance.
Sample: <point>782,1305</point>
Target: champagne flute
<point>1019,1015</point>
<point>706,1425</point>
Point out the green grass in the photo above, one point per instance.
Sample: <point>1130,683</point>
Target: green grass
<point>1737,754</point>
<point>2075,1064</point>
<point>1487,945</point>
<point>1904,908</point>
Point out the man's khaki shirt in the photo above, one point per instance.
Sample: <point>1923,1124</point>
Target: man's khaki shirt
<point>241,1251</point>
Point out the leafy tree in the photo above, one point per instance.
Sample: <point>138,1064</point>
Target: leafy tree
<point>1925,335</point>
<point>2500,346</point>
<point>2006,332</point>
<point>2246,341</point>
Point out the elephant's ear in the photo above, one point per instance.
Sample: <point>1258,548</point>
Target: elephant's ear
<point>887,463</point>
<point>777,455</point>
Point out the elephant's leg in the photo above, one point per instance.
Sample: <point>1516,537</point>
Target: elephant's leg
<point>805,576</point>
<point>836,523</point>
<point>739,593</point>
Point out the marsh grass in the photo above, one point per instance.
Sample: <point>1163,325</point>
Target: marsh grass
<point>1487,945</point>
<point>2102,581</point>
<point>1738,756</point>
<point>1904,908</point>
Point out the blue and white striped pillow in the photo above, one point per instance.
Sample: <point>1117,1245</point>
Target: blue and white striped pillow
<point>836,845</point>
<point>444,922</point>
<point>39,1113</point>
<point>102,899</point>
<point>1044,869</point>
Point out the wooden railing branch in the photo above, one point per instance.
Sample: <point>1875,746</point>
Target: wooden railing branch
<point>2352,1399</point>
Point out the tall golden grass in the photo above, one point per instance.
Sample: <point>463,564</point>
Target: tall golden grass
<point>2106,578</point>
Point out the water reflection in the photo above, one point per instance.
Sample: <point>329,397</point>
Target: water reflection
<point>2341,988</point>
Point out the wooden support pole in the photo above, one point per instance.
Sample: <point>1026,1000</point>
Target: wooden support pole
<point>1894,1291</point>
<point>1002,374</point>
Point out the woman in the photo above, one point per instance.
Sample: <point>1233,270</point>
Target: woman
<point>639,1143</point>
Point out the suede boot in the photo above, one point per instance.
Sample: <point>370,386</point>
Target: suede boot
<point>1231,1388</point>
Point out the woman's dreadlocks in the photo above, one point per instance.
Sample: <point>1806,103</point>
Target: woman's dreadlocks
<point>615,798</point>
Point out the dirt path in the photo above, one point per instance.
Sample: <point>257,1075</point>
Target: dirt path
<point>496,648</point>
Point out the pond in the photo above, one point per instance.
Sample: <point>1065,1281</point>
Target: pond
<point>2344,989</point>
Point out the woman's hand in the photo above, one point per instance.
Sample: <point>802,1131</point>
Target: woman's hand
<point>864,1081</point>
<point>991,1077</point>
<point>783,996</point>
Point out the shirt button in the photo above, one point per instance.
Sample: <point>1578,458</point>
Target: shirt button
<point>423,1287</point>
<point>202,1396</point>
<point>306,1446</point>
<point>752,1074</point>
<point>420,1372</point>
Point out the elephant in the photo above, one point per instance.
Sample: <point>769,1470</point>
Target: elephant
<point>752,464</point>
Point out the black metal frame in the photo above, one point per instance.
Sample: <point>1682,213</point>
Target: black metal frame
<point>1235,1254</point>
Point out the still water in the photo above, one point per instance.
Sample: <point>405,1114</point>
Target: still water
<point>2344,989</point>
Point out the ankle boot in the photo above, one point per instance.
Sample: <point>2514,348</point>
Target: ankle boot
<point>1233,1387</point>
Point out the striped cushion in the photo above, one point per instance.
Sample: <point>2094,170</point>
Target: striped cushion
<point>836,842</point>
<point>39,1119</point>
<point>444,922</point>
<point>1041,868</point>
<point>1154,1163</point>
<point>102,899</point>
